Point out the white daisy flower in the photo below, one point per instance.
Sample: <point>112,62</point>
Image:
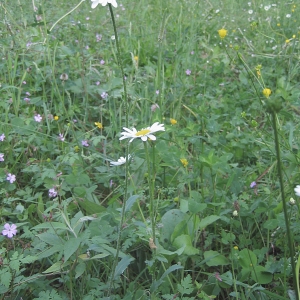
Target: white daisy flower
<point>104,2</point>
<point>143,134</point>
<point>121,161</point>
<point>297,190</point>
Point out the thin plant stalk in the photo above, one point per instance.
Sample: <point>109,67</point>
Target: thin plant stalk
<point>151,190</point>
<point>286,218</point>
<point>126,104</point>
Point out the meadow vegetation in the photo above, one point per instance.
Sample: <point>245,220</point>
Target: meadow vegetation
<point>149,150</point>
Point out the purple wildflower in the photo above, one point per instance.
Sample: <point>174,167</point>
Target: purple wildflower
<point>9,230</point>
<point>1,157</point>
<point>11,177</point>
<point>188,72</point>
<point>38,118</point>
<point>52,193</point>
<point>84,143</point>
<point>2,137</point>
<point>98,37</point>
<point>102,62</point>
<point>104,95</point>
<point>61,137</point>
<point>253,184</point>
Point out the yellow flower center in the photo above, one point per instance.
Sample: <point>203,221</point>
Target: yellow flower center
<point>267,92</point>
<point>142,132</point>
<point>184,162</point>
<point>173,121</point>
<point>222,33</point>
<point>99,125</point>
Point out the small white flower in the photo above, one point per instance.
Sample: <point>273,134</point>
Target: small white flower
<point>121,161</point>
<point>104,2</point>
<point>292,201</point>
<point>288,15</point>
<point>297,190</point>
<point>235,213</point>
<point>250,11</point>
<point>143,134</point>
<point>267,7</point>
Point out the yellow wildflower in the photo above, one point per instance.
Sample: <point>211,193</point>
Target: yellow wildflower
<point>136,58</point>
<point>236,248</point>
<point>184,162</point>
<point>173,121</point>
<point>222,33</point>
<point>76,148</point>
<point>99,125</point>
<point>56,118</point>
<point>294,36</point>
<point>287,41</point>
<point>267,92</point>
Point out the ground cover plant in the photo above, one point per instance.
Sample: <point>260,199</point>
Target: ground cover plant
<point>149,149</point>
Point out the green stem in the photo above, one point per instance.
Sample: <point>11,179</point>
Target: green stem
<point>151,190</point>
<point>289,235</point>
<point>126,152</point>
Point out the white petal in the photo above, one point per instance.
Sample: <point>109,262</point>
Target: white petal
<point>152,137</point>
<point>113,3</point>
<point>95,3</point>
<point>144,138</point>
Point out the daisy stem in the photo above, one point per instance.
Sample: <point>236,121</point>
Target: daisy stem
<point>151,190</point>
<point>126,109</point>
<point>288,231</point>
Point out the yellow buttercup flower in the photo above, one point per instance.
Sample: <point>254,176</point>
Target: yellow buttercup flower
<point>173,121</point>
<point>184,162</point>
<point>236,248</point>
<point>136,58</point>
<point>99,125</point>
<point>222,33</point>
<point>267,92</point>
<point>56,118</point>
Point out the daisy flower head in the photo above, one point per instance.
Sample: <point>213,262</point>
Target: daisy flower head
<point>9,230</point>
<point>104,3</point>
<point>144,134</point>
<point>121,161</point>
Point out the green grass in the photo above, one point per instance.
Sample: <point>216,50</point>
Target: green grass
<point>215,237</point>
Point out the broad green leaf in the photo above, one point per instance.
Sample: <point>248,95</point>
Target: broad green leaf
<point>122,265</point>
<point>214,258</point>
<point>196,207</point>
<point>207,221</point>
<point>79,270</point>
<point>50,251</point>
<point>185,240</point>
<point>90,207</point>
<point>57,267</point>
<point>51,225</point>
<point>130,202</point>
<point>247,259</point>
<point>50,238</point>
<point>261,275</point>
<point>169,220</point>
<point>70,247</point>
